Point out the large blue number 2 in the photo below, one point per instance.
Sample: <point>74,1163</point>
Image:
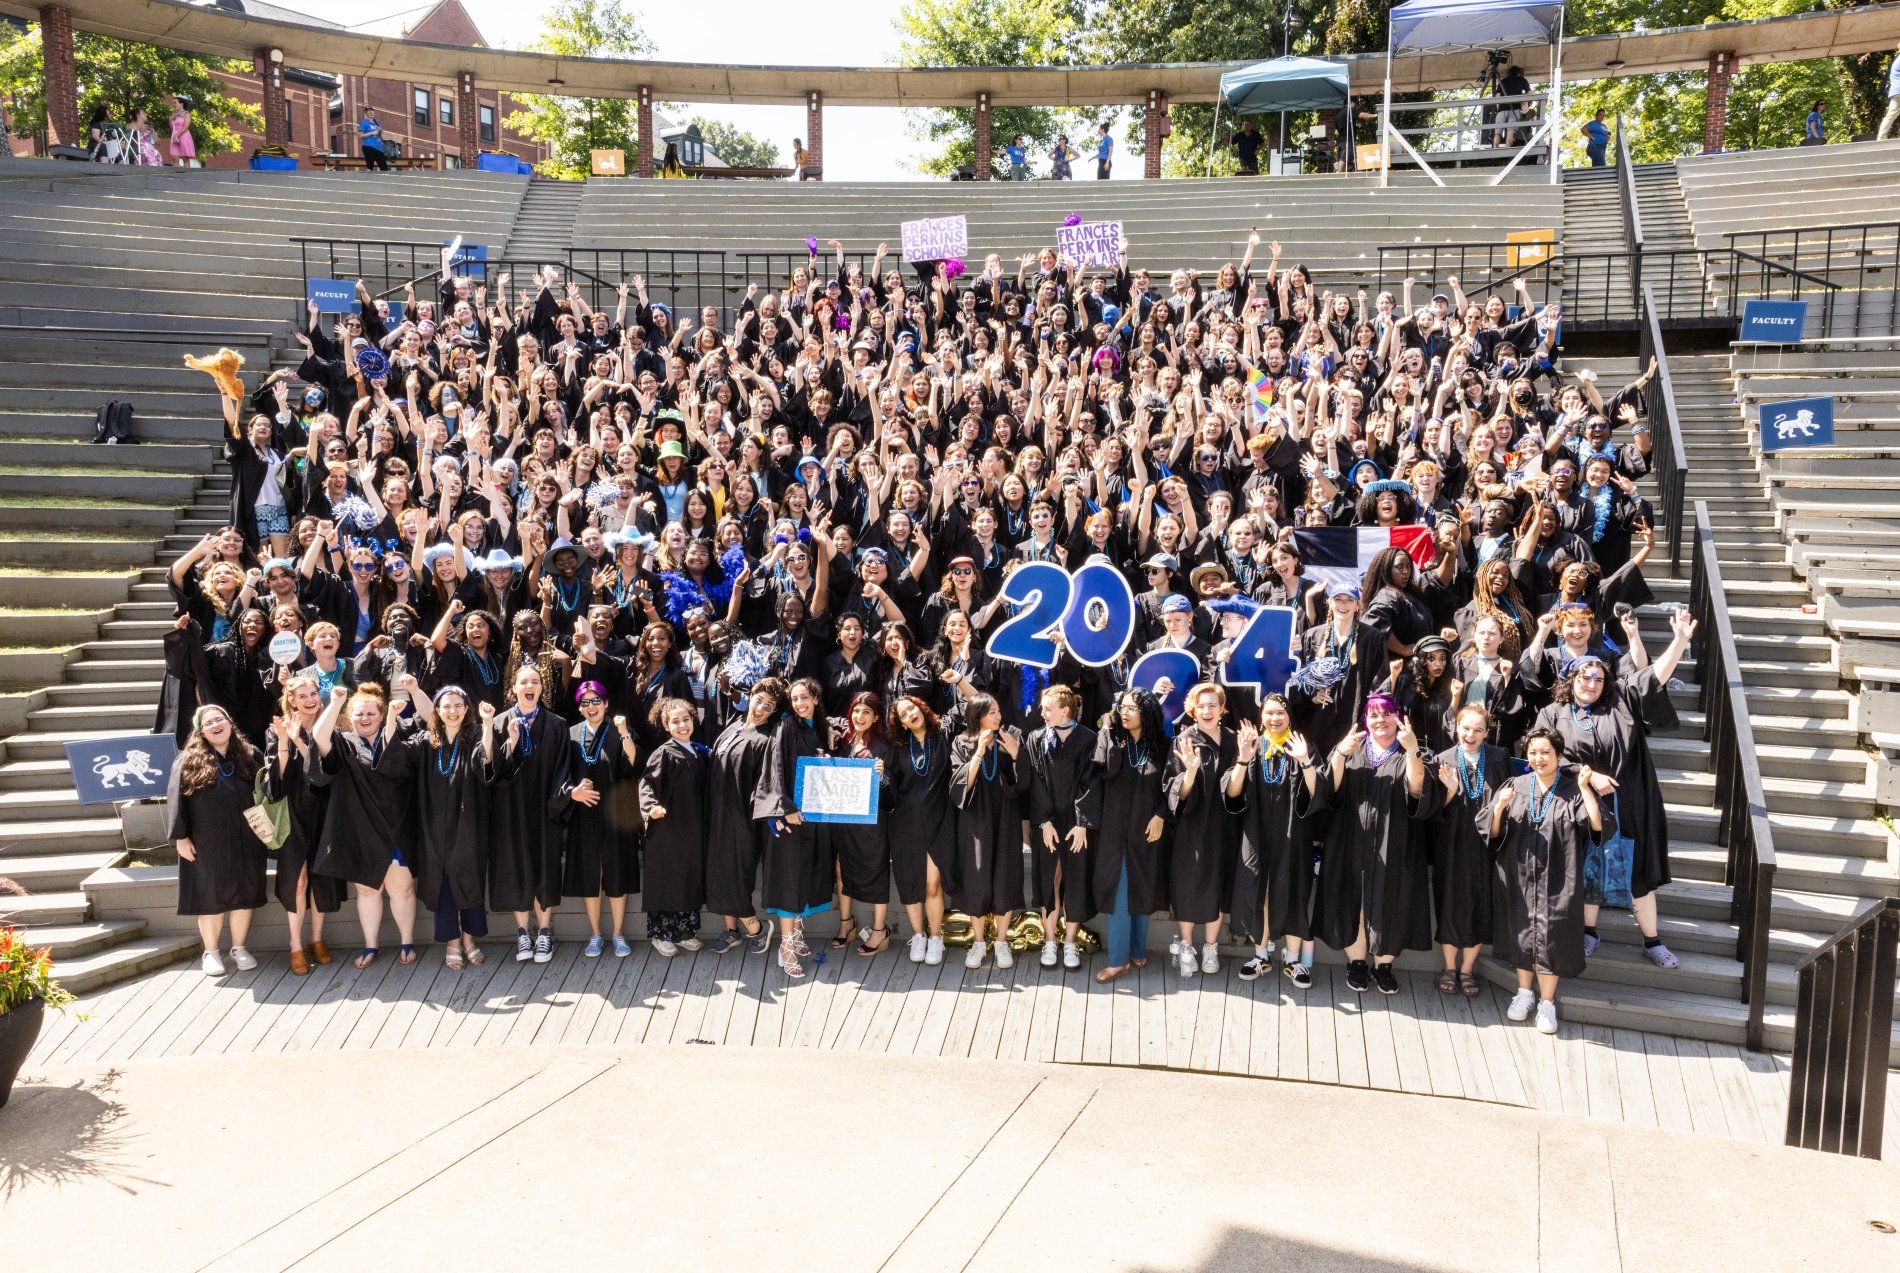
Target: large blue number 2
<point>1262,653</point>
<point>1040,591</point>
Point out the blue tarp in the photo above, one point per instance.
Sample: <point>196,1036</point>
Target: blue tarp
<point>1285,84</point>
<point>1450,26</point>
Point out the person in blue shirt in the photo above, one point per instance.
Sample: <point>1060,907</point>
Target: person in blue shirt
<point>1597,141</point>
<point>372,136</point>
<point>1018,161</point>
<point>1892,116</point>
<point>1104,154</point>
<point>1815,134</point>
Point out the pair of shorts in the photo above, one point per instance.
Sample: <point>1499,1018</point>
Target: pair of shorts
<point>272,519</point>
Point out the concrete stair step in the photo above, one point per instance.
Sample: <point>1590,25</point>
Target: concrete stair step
<point>44,552</point>
<point>117,671</point>
<point>70,907</point>
<point>47,741</point>
<point>110,718</point>
<point>70,832</point>
<point>51,873</point>
<point>69,941</point>
<point>78,425</point>
<point>151,648</point>
<point>1818,832</point>
<point>105,693</point>
<point>35,777</point>
<point>111,964</point>
<point>1796,868</point>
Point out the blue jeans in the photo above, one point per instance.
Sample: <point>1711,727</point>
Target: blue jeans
<point>1127,933</point>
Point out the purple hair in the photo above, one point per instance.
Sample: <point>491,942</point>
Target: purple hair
<point>587,687</point>
<point>1386,700</point>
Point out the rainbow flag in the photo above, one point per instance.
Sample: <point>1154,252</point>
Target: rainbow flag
<point>1261,386</point>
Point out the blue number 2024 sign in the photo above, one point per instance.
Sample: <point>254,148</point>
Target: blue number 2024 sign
<point>1094,613</point>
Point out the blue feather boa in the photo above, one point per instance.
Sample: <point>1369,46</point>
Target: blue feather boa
<point>684,596</point>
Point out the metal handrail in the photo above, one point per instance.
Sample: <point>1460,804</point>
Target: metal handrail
<point>1843,1032</point>
<point>1667,455</point>
<point>1632,214</point>
<point>1742,807</point>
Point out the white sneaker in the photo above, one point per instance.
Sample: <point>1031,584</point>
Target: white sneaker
<point>933,952</point>
<point>1004,958</point>
<point>974,958</point>
<point>243,958</point>
<point>1184,958</point>
<point>918,945</point>
<point>660,946</point>
<point>1547,1016</point>
<point>1071,955</point>
<point>1210,958</point>
<point>1520,1008</point>
<point>1048,954</point>
<point>212,963</point>
<point>1174,949</point>
<point>692,943</point>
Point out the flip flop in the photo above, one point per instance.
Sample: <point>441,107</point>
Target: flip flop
<point>406,955</point>
<point>365,957</point>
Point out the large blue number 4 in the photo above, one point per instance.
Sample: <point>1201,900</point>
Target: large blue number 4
<point>1040,592</point>
<point>1181,669</point>
<point>1263,652</point>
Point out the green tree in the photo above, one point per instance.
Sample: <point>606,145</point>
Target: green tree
<point>736,146</point>
<point>124,78</point>
<point>989,33</point>
<point>570,127</point>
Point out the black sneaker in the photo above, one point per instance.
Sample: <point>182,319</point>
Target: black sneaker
<point>726,941</point>
<point>1302,976</point>
<point>1255,968</point>
<point>760,942</point>
<point>1384,978</point>
<point>1358,978</point>
<point>524,946</point>
<point>543,946</point>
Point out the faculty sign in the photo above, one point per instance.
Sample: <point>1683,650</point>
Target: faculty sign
<point>936,239</point>
<point>1773,322</point>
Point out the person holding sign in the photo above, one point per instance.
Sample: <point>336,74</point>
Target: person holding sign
<point>220,861</point>
<point>863,852</point>
<point>1061,769</point>
<point>987,782</point>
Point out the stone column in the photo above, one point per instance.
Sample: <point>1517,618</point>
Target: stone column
<point>644,145</point>
<point>1715,112</point>
<point>271,75</point>
<point>815,132</point>
<point>983,143</point>
<point>1154,128</point>
<point>468,120</point>
<point>62,77</point>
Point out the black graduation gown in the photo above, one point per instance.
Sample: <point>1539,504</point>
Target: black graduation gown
<point>1433,719</point>
<point>1617,743</point>
<point>1126,795</point>
<point>1461,850</point>
<point>1539,878</point>
<point>1326,724</point>
<point>734,842</point>
<point>228,874</point>
<point>524,866</point>
<point>452,792</point>
<point>602,843</point>
<point>674,872</point>
<point>797,880</point>
<point>1374,855</point>
<point>1504,699</point>
<point>241,683</point>
<point>863,851</point>
<point>1059,783</point>
<point>307,802</point>
<point>1273,873</point>
<point>479,676</point>
<point>1404,614</point>
<point>922,823</point>
<point>989,830</point>
<point>1206,832</point>
<point>369,813</point>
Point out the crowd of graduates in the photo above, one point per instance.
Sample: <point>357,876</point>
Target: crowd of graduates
<point>524,602</point>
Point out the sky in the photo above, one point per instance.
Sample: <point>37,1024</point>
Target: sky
<point>861,143</point>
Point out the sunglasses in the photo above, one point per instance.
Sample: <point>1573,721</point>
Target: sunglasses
<point>362,567</point>
<point>396,564</point>
<point>963,570</point>
<point>592,702</point>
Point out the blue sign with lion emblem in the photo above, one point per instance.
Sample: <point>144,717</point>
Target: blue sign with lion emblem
<point>1799,422</point>
<point>130,767</point>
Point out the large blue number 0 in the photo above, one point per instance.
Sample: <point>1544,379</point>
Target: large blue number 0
<point>1262,654</point>
<point>1024,638</point>
<point>1179,667</point>
<point>1101,616</point>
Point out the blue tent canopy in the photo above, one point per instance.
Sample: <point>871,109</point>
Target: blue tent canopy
<point>1451,26</point>
<point>1285,84</point>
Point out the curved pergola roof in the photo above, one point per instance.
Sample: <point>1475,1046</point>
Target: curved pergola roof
<point>221,32</point>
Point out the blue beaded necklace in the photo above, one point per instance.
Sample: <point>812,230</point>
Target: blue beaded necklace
<point>1471,776</point>
<point>227,770</point>
<point>1376,758</point>
<point>1274,776</point>
<point>991,763</point>
<point>570,596</point>
<point>1136,754</point>
<point>1584,720</point>
<point>486,666</point>
<point>1540,811</point>
<point>919,756</point>
<point>599,740</point>
<point>454,753</point>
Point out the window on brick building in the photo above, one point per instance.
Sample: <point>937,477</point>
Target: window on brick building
<point>422,107</point>
<point>451,161</point>
<point>486,115</point>
<point>446,105</point>
<point>290,120</point>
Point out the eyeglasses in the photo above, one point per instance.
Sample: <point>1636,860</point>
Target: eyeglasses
<point>962,570</point>
<point>396,563</point>
<point>362,567</point>
<point>797,557</point>
<point>1209,459</point>
<point>591,702</point>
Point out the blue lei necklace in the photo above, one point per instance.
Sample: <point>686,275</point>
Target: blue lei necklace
<point>1540,811</point>
<point>1471,776</point>
<point>570,597</point>
<point>1375,758</point>
<point>1136,754</point>
<point>992,763</point>
<point>919,757</point>
<point>455,754</point>
<point>486,666</point>
<point>599,741</point>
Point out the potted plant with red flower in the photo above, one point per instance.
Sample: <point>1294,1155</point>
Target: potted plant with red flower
<point>27,990</point>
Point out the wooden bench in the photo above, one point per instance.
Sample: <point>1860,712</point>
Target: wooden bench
<point>341,163</point>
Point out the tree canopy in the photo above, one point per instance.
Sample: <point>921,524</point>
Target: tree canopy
<point>124,78</point>
<point>736,146</point>
<point>571,127</point>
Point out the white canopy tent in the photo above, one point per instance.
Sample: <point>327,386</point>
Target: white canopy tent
<point>1452,26</point>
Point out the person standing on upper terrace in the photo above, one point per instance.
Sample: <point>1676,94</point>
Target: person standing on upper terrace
<point>1892,116</point>
<point>372,134</point>
<point>1597,141</point>
<point>1104,154</point>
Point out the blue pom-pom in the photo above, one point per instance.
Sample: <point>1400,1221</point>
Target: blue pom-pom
<point>1320,674</point>
<point>682,595</point>
<point>372,364</point>
<point>804,535</point>
<point>747,665</point>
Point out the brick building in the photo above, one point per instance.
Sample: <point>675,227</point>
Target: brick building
<point>418,118</point>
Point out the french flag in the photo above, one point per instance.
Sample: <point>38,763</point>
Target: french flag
<point>1341,554</point>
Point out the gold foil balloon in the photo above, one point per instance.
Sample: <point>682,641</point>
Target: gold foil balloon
<point>1026,932</point>
<point>958,930</point>
<point>1087,942</point>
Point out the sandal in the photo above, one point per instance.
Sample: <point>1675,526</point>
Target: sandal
<point>365,957</point>
<point>1469,984</point>
<point>451,958</point>
<point>883,935</point>
<point>788,962</point>
<point>1448,982</point>
<point>846,931</point>
<point>475,957</point>
<point>406,954</point>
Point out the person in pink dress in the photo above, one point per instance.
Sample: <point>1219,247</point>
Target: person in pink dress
<point>183,149</point>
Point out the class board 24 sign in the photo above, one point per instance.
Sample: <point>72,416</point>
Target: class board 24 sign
<point>1092,613</point>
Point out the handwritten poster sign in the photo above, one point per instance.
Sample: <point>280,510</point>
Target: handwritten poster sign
<point>936,239</point>
<point>1091,243</point>
<point>836,789</point>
